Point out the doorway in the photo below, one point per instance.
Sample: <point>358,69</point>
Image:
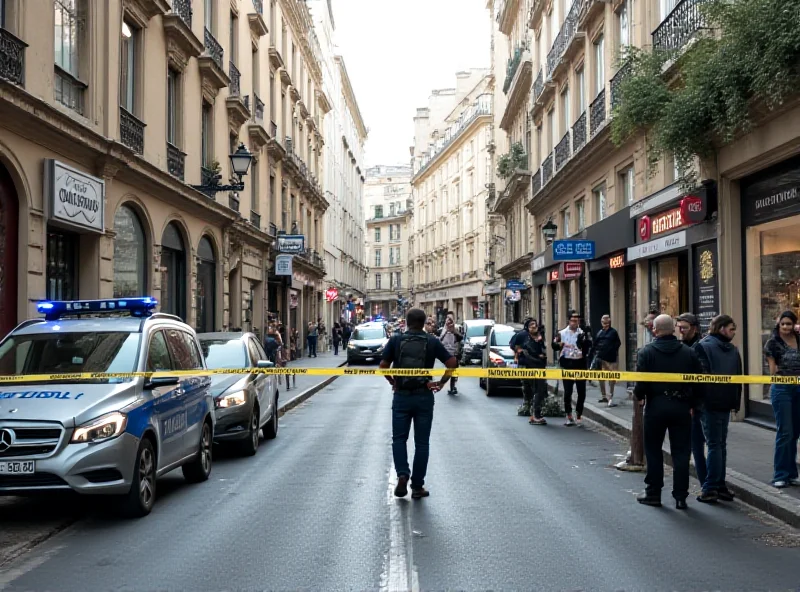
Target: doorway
<point>9,225</point>
<point>173,272</point>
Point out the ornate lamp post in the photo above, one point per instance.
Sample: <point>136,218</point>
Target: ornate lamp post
<point>240,163</point>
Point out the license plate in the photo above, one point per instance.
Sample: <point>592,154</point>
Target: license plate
<point>370,359</point>
<point>27,467</point>
<point>512,365</point>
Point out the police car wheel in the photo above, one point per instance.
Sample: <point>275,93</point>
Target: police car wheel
<point>142,494</point>
<point>490,392</point>
<point>249,445</point>
<point>270,430</point>
<point>482,382</point>
<point>199,468</point>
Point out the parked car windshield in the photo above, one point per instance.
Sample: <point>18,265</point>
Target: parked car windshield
<point>224,353</point>
<point>370,333</point>
<point>67,353</point>
<point>476,330</point>
<point>503,337</point>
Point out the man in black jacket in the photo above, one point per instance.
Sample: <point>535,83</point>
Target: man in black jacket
<point>606,356</point>
<point>668,408</point>
<point>531,352</point>
<point>718,356</point>
<point>689,333</point>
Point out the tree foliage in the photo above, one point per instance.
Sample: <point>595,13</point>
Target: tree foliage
<point>690,102</point>
<point>513,160</point>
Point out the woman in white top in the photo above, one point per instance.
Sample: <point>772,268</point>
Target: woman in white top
<point>574,344</point>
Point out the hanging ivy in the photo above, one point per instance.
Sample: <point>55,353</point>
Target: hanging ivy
<point>513,160</point>
<point>706,97</point>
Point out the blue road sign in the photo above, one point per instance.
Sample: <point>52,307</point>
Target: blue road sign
<point>573,250</point>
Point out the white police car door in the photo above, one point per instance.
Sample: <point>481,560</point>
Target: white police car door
<point>263,382</point>
<point>168,403</point>
<point>194,389</point>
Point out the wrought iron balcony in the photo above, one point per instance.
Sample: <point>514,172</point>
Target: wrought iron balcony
<point>213,48</point>
<point>255,219</point>
<point>259,6</point>
<point>554,55</point>
<point>258,109</point>
<point>131,131</point>
<point>617,81</point>
<point>563,151</point>
<point>175,161</point>
<point>538,86</point>
<point>597,113</point>
<point>547,169</point>
<point>183,8</point>
<point>12,58</point>
<point>234,88</point>
<point>208,177</point>
<point>579,133</point>
<point>273,229</point>
<point>679,26</point>
<point>234,201</point>
<point>536,182</point>
<point>513,66</point>
<point>273,129</point>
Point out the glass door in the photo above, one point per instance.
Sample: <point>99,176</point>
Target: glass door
<point>62,269</point>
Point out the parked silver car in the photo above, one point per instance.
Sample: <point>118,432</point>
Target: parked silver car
<point>103,435</point>
<point>246,404</point>
<point>367,342</point>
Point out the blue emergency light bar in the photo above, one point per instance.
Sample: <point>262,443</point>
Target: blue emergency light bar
<point>137,307</point>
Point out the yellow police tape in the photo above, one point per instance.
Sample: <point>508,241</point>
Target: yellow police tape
<point>501,373</point>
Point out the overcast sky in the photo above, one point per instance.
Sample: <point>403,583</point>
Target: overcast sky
<point>397,51</point>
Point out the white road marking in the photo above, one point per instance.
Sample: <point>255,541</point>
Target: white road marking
<point>400,574</point>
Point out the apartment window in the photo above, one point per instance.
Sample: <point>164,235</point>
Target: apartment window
<point>394,256</point>
<point>565,220</point>
<point>272,98</point>
<point>580,82</point>
<point>70,31</point>
<point>127,67</point>
<point>599,65</point>
<point>207,131</point>
<point>233,49</point>
<point>2,14</point>
<point>377,257</point>
<point>624,24</point>
<point>580,209</point>
<point>599,199</point>
<point>208,14</point>
<point>398,284</point>
<point>272,16</point>
<point>173,106</point>
<point>667,6</point>
<point>392,211</point>
<point>565,110</point>
<point>551,124</point>
<point>254,205</point>
<point>377,281</point>
<point>378,235</point>
<point>379,211</point>
<point>626,184</point>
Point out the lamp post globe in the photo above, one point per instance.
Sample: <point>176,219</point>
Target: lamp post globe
<point>241,160</point>
<point>549,231</point>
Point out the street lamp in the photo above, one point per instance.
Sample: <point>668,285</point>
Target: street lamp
<point>240,164</point>
<point>549,231</point>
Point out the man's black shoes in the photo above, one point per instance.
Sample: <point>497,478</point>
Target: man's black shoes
<point>419,493</point>
<point>649,500</point>
<point>402,486</point>
<point>680,504</point>
<point>708,497</point>
<point>726,495</point>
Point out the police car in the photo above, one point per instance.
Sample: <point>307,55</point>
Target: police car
<point>103,435</point>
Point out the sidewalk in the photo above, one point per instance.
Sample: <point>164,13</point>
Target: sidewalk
<point>750,452</point>
<point>303,387</point>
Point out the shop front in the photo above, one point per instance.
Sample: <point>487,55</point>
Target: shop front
<point>517,299</point>
<point>771,236</point>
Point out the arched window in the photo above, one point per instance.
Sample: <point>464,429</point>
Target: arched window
<point>130,248</point>
<point>173,272</point>
<point>206,301</point>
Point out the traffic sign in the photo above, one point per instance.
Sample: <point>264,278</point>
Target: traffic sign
<point>572,250</point>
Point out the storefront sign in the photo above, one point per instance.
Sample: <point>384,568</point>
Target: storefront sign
<point>331,294</point>
<point>291,243</point>
<point>538,263</point>
<point>74,198</point>
<point>617,261</point>
<point>657,246</point>
<point>775,203</point>
<point>656,200</point>
<point>706,285</point>
<point>668,221</point>
<point>515,285</point>
<point>553,276</point>
<point>565,250</point>
<point>571,271</point>
<point>283,265</point>
<point>490,290</point>
<point>513,296</point>
<point>693,209</point>
<point>293,299</point>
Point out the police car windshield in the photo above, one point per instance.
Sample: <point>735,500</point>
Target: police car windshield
<point>476,330</point>
<point>502,337</point>
<point>370,333</point>
<point>223,353</point>
<point>67,353</point>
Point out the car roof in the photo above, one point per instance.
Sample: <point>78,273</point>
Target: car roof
<point>83,325</point>
<point>224,335</point>
<point>504,328</point>
<point>479,322</point>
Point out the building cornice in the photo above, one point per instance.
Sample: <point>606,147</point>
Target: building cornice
<point>350,98</point>
<point>299,19</point>
<point>466,133</point>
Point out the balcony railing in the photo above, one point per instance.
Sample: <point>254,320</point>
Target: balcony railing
<point>273,229</point>
<point>273,129</point>
<point>579,133</point>
<point>258,110</point>
<point>233,201</point>
<point>536,182</point>
<point>538,86</point>
<point>679,26</point>
<point>547,170</point>
<point>12,58</point>
<point>234,87</point>
<point>183,8</point>
<point>175,161</point>
<point>213,48</point>
<point>255,219</point>
<point>259,6</point>
<point>131,131</point>
<point>597,113</point>
<point>617,81</point>
<point>554,55</point>
<point>513,66</point>
<point>208,177</point>
<point>563,152</point>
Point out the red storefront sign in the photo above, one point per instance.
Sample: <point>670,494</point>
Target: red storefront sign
<point>572,270</point>
<point>617,261</point>
<point>693,209</point>
<point>331,294</point>
<point>660,223</point>
<point>552,276</point>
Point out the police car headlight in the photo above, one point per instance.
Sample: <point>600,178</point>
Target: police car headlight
<point>351,346</point>
<point>380,348</point>
<point>232,400</point>
<point>103,428</point>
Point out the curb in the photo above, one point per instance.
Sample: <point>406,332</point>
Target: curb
<point>761,496</point>
<point>307,394</point>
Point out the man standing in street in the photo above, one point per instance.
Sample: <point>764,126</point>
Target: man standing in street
<point>689,334</point>
<point>532,353</point>
<point>574,345</point>
<point>312,340</point>
<point>718,356</point>
<point>413,398</point>
<point>606,352</point>
<point>668,407</point>
<point>450,338</point>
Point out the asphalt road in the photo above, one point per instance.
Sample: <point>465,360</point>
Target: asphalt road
<point>512,507</point>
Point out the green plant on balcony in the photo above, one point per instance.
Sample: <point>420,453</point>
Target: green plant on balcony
<point>713,91</point>
<point>511,161</point>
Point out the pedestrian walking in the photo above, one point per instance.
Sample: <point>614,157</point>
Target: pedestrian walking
<point>346,333</point>
<point>668,407</point>
<point>783,356</point>
<point>718,356</point>
<point>531,353</point>
<point>647,323</point>
<point>606,357</point>
<point>574,344</point>
<point>413,399</point>
<point>690,334</point>
<point>284,355</point>
<point>450,338</point>
<point>311,338</point>
<point>516,342</point>
<point>336,337</point>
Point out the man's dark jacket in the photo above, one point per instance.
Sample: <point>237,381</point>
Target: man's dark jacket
<point>532,352</point>
<point>719,356</point>
<point>607,344</point>
<point>667,354</point>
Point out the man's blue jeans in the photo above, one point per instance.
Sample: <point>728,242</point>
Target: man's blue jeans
<point>408,406</point>
<point>715,430</point>
<point>786,405</point>
<point>699,445</point>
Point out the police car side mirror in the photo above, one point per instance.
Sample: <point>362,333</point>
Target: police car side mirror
<point>161,381</point>
<point>264,364</point>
